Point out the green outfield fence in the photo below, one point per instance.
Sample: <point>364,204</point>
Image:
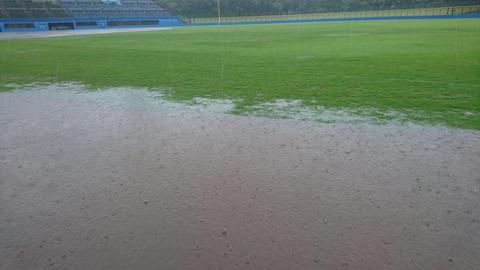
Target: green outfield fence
<point>438,11</point>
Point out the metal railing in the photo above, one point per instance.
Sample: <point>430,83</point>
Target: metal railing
<point>438,11</point>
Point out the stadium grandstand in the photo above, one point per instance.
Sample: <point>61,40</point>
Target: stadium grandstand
<point>44,15</point>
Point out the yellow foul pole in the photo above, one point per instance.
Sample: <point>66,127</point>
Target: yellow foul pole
<point>219,10</point>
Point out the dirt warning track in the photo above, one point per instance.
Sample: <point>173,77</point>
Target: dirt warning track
<point>63,33</point>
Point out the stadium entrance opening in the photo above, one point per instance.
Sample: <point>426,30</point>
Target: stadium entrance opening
<point>60,26</point>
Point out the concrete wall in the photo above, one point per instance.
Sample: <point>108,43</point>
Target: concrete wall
<point>43,24</point>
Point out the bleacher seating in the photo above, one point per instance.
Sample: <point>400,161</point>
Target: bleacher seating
<point>31,9</point>
<point>110,9</point>
<point>81,9</point>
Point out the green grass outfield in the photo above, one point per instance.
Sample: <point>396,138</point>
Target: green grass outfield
<point>427,70</point>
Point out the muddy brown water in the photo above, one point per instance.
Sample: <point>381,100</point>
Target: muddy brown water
<point>124,181</point>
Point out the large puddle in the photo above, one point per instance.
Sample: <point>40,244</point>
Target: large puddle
<point>124,179</point>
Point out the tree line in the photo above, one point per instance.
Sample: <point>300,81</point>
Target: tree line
<point>208,8</point>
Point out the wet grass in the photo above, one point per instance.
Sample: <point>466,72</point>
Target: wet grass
<point>4,88</point>
<point>428,70</point>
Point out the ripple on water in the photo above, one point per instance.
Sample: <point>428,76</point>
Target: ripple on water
<point>123,178</point>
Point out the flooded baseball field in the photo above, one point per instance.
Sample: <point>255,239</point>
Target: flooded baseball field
<point>123,179</point>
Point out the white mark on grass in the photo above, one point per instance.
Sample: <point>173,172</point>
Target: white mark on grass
<point>296,109</point>
<point>213,105</point>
